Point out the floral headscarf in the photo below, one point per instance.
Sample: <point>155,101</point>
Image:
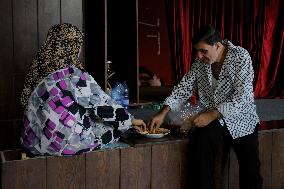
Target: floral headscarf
<point>60,50</point>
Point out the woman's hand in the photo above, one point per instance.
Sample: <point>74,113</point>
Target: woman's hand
<point>139,125</point>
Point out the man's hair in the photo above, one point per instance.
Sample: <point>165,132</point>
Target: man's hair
<point>207,34</point>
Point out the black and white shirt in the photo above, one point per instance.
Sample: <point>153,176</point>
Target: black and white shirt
<point>233,96</point>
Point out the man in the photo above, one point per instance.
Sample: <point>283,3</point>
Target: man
<point>222,75</point>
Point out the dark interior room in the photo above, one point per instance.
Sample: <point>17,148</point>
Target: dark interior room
<point>148,44</point>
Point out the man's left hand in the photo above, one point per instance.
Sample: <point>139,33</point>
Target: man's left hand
<point>205,118</point>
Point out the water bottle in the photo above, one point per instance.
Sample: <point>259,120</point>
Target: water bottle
<point>125,95</point>
<point>116,93</point>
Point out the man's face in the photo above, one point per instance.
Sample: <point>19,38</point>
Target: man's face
<point>206,53</point>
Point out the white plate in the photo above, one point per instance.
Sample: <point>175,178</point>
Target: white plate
<point>155,135</point>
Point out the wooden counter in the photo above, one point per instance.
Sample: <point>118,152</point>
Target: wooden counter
<point>147,163</point>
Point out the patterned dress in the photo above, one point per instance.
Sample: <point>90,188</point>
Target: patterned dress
<point>68,113</point>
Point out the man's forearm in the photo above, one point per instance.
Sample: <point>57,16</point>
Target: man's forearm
<point>165,109</point>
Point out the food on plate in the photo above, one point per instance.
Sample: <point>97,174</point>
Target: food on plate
<point>156,131</point>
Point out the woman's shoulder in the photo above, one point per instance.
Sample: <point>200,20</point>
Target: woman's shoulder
<point>70,71</point>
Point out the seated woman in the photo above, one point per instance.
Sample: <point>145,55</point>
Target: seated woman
<point>66,111</point>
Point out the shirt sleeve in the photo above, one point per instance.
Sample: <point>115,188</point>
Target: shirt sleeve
<point>182,91</point>
<point>90,95</point>
<point>242,87</point>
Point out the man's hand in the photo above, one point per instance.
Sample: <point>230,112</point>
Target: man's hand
<point>158,119</point>
<point>205,118</point>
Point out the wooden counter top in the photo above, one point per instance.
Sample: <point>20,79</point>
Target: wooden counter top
<point>137,140</point>
<point>134,139</point>
<point>150,163</point>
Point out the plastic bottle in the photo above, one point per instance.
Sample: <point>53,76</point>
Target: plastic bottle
<point>125,95</point>
<point>116,93</point>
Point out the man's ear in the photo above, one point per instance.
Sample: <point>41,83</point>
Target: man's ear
<point>218,45</point>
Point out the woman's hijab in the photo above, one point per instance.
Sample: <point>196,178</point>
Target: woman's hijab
<point>60,50</point>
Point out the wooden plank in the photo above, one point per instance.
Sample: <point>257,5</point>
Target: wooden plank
<point>103,169</point>
<point>48,15</point>
<point>72,12</point>
<point>10,155</point>
<point>277,159</point>
<point>184,153</point>
<point>12,140</point>
<point>6,35</point>
<point>5,140</point>
<point>25,34</point>
<point>135,168</point>
<point>25,47</point>
<point>166,166</point>
<point>66,172</point>
<point>6,54</point>
<point>6,83</point>
<point>18,85</point>
<point>24,174</point>
<point>15,134</point>
<point>265,150</point>
<point>265,160</point>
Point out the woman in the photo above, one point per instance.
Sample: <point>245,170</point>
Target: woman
<point>66,112</point>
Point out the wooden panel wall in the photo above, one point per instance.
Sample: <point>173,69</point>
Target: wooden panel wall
<point>48,15</point>
<point>277,177</point>
<point>6,54</point>
<point>65,172</point>
<point>24,25</point>
<point>103,169</point>
<point>24,174</point>
<point>136,168</point>
<point>169,166</point>
<point>266,154</point>
<point>265,151</point>
<point>72,12</point>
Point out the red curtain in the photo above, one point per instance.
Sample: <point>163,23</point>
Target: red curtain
<point>256,25</point>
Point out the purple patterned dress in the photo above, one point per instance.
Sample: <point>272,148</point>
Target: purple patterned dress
<point>68,113</point>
